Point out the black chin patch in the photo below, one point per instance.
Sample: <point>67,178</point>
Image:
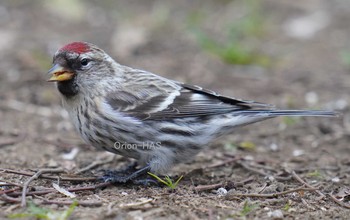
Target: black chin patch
<point>68,88</point>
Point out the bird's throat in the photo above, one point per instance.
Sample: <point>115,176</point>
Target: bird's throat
<point>68,88</point>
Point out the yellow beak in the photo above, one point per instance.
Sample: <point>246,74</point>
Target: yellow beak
<point>59,74</point>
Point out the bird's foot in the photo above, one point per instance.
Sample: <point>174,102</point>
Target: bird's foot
<point>129,175</point>
<point>146,181</point>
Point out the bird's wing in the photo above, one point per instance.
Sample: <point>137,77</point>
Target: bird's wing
<point>162,99</point>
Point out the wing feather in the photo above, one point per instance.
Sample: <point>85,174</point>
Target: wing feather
<point>163,99</point>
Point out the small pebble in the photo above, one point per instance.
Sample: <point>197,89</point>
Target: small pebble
<point>277,214</point>
<point>221,191</point>
<point>274,147</point>
<point>271,178</point>
<point>341,104</point>
<point>71,155</point>
<point>307,26</point>
<point>335,180</point>
<point>249,157</point>
<point>297,152</point>
<point>311,98</point>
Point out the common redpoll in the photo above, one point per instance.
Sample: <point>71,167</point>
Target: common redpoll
<point>135,113</point>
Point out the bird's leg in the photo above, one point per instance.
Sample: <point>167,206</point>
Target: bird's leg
<point>129,168</point>
<point>130,174</point>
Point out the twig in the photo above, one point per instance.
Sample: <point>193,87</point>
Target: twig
<point>93,187</point>
<point>269,195</point>
<point>35,176</point>
<point>260,166</point>
<point>245,166</point>
<point>339,202</point>
<point>10,199</point>
<point>74,189</point>
<point>71,179</point>
<point>40,192</point>
<point>263,188</point>
<point>218,185</point>
<point>208,187</point>
<point>262,173</point>
<point>134,204</point>
<point>331,168</point>
<point>278,176</point>
<point>95,164</point>
<point>63,191</point>
<point>224,163</point>
<point>297,178</point>
<point>81,203</point>
<point>283,178</point>
<point>9,190</point>
<point>12,141</point>
<point>243,182</point>
<point>45,201</point>
<point>8,183</point>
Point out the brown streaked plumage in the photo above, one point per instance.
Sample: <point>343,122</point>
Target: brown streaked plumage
<point>166,122</point>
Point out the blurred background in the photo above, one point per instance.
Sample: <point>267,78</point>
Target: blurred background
<point>291,53</point>
<point>294,54</point>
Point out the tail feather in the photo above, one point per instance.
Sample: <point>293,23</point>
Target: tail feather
<point>275,113</point>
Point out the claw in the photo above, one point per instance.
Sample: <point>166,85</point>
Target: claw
<point>125,175</point>
<point>146,182</point>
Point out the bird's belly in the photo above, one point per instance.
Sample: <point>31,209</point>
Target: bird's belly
<point>104,135</point>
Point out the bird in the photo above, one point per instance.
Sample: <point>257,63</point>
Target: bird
<point>138,114</point>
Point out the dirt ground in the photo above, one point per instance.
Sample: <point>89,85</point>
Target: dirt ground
<point>281,168</point>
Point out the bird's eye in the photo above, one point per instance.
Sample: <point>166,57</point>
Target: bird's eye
<point>84,62</point>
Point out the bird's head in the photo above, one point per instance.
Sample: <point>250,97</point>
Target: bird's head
<point>79,66</point>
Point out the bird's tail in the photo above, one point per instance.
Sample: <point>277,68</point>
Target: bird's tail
<point>275,113</point>
<point>247,117</point>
